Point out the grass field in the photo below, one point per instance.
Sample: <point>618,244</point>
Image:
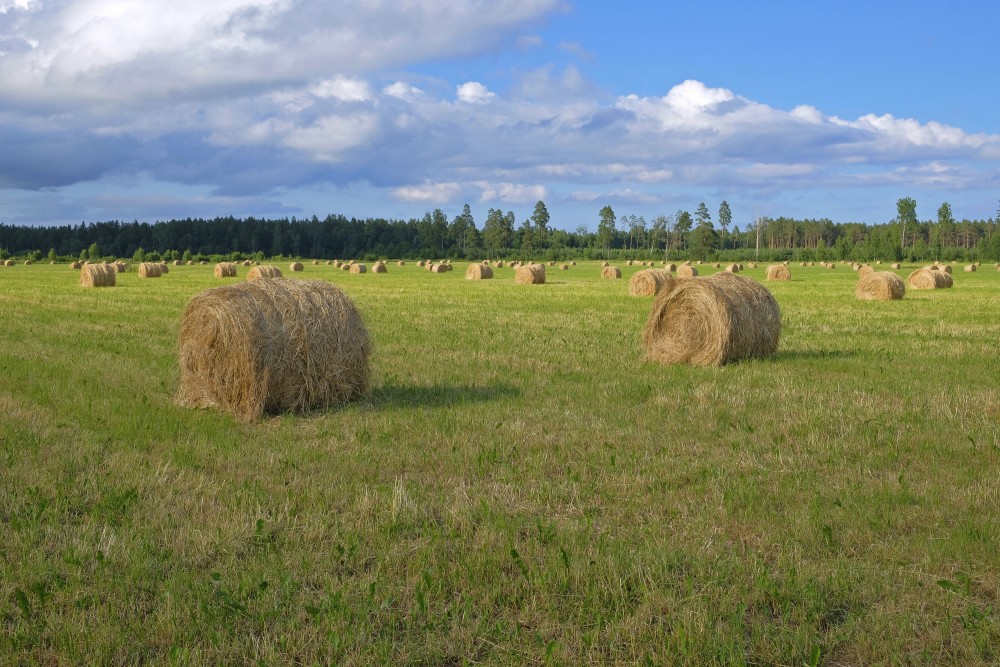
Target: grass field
<point>520,487</point>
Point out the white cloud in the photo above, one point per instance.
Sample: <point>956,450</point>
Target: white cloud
<point>343,89</point>
<point>428,193</point>
<point>474,92</point>
<point>511,193</point>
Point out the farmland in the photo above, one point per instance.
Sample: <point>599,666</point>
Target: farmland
<point>520,486</point>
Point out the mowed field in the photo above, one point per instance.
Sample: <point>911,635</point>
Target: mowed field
<point>520,487</point>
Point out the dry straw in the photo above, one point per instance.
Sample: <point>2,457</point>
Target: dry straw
<point>880,286</point>
<point>928,279</point>
<point>120,267</point>
<point>98,275</point>
<point>75,265</point>
<point>296,266</point>
<point>649,282</point>
<point>272,346</point>
<point>865,270</point>
<point>670,267</point>
<point>530,274</point>
<point>263,272</point>
<point>164,268</point>
<point>564,267</point>
<point>478,272</point>
<point>970,268</point>
<point>440,268</point>
<point>894,266</point>
<point>150,270</point>
<point>612,272</point>
<point>778,272</point>
<point>225,270</point>
<point>400,263</point>
<point>8,262</point>
<point>359,268</point>
<point>712,321</point>
<point>733,268</point>
<point>379,267</point>
<point>686,271</point>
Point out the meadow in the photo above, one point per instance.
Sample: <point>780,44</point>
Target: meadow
<point>520,487</point>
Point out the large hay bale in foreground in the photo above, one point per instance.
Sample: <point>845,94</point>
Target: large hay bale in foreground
<point>880,286</point>
<point>779,272</point>
<point>686,271</point>
<point>98,275</point>
<point>265,271</point>
<point>611,272</point>
<point>225,270</point>
<point>712,321</point>
<point>478,272</point>
<point>296,266</point>
<point>530,274</point>
<point>270,346</point>
<point>927,279</point>
<point>649,282</point>
<point>149,270</point>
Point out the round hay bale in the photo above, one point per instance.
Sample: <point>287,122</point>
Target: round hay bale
<point>265,272</point>
<point>926,279</point>
<point>612,272</point>
<point>400,263</point>
<point>670,267</point>
<point>150,270</point>
<point>359,268</point>
<point>178,262</point>
<point>478,272</point>
<point>564,267</point>
<point>329,262</point>
<point>970,268</point>
<point>440,268</point>
<point>315,262</point>
<point>752,265</point>
<point>802,264</point>
<point>8,262</point>
<point>345,266</point>
<point>946,279</point>
<point>716,265</point>
<point>296,266</point>
<point>832,266</point>
<point>225,270</point>
<point>894,266</point>
<point>530,274</point>
<point>272,346</point>
<point>945,267</point>
<point>98,275</point>
<point>778,272</point>
<point>203,262</point>
<point>573,263</point>
<point>649,282</point>
<point>379,267</point>
<point>190,262</point>
<point>733,268</point>
<point>880,286</point>
<point>629,263</point>
<point>247,262</point>
<point>865,270</point>
<point>28,262</point>
<point>686,271</point>
<point>603,264</point>
<point>164,268</point>
<point>552,262</point>
<point>75,265</point>
<point>120,267</point>
<point>712,321</point>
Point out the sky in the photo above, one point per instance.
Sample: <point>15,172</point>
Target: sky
<point>159,109</point>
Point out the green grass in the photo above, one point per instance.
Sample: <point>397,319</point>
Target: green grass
<point>520,486</point>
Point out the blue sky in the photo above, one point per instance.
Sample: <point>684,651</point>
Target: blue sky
<point>158,109</point>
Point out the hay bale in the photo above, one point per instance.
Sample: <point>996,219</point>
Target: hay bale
<point>733,268</point>
<point>150,270</point>
<point>779,272</point>
<point>329,262</point>
<point>945,268</point>
<point>802,264</point>
<point>296,266</point>
<point>970,268</point>
<point>190,262</point>
<point>28,262</point>
<point>894,266</point>
<point>552,262</point>
<point>612,272</point>
<point>247,262</point>
<point>271,346</point>
<point>880,286</point>
<point>345,266</point>
<point>358,268</point>
<point>315,262</point>
<point>712,321</point>
<point>203,262</point>
<point>686,271</point>
<point>753,265</point>
<point>164,268</point>
<point>649,282</point>
<point>716,265</point>
<point>478,272</point>
<point>98,275</point>
<point>400,263</point>
<point>629,263</point>
<point>603,264</point>
<point>178,262</point>
<point>564,267</point>
<point>8,262</point>
<point>927,279</point>
<point>120,267</point>
<point>265,272</point>
<point>75,265</point>
<point>946,279</point>
<point>865,270</point>
<point>439,268</point>
<point>530,274</point>
<point>670,267</point>
<point>379,267</point>
<point>225,270</point>
<point>573,263</point>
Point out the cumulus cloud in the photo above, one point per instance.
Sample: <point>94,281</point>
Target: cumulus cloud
<point>474,92</point>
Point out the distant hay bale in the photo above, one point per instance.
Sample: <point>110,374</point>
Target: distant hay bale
<point>970,268</point>
<point>894,266</point>
<point>421,263</point>
<point>733,268</point>
<point>379,267</point>
<point>359,268</point>
<point>478,272</point>
<point>75,265</point>
<point>945,267</point>
<point>315,262</point>
<point>612,272</point>
<point>225,270</point>
<point>400,263</point>
<point>712,321</point>
<point>190,262</point>
<point>778,272</point>
<point>265,272</point>
<point>164,268</point>
<point>530,274</point>
<point>345,266</point>
<point>629,262</point>
<point>247,262</point>
<point>8,262</point>
<point>150,270</point>
<point>329,262</point>
<point>296,266</point>
<point>203,262</point>
<point>603,264</point>
<point>670,267</point>
<point>98,275</point>
<point>686,271</point>
<point>272,346</point>
<point>178,262</point>
<point>120,267</point>
<point>753,265</point>
<point>927,279</point>
<point>28,262</point>
<point>573,263</point>
<point>564,267</point>
<point>880,286</point>
<point>716,265</point>
<point>552,262</point>
<point>865,270</point>
<point>802,264</point>
<point>649,282</point>
<point>439,268</point>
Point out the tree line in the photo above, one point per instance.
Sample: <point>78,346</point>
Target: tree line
<point>681,235</point>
